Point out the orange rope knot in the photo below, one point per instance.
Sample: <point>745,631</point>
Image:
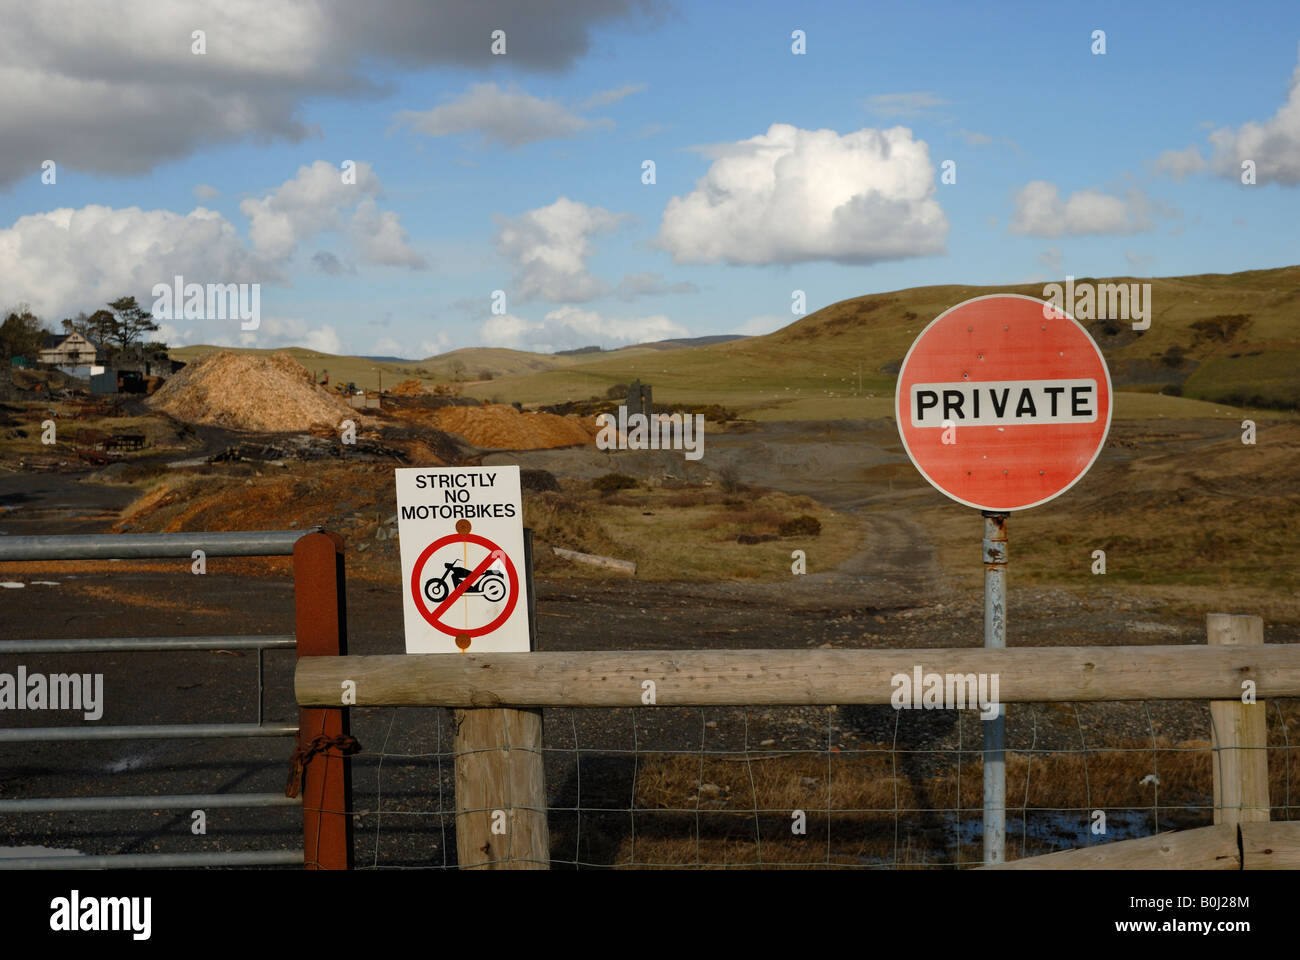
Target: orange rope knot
<point>344,743</point>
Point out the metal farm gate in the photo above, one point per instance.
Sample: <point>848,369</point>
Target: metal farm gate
<point>319,779</point>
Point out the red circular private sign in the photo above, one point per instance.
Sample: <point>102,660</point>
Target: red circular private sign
<point>1003,403</point>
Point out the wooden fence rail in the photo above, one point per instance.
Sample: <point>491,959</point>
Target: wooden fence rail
<point>501,796</point>
<point>792,677</point>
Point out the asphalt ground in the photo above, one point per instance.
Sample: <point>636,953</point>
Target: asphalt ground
<point>890,594</point>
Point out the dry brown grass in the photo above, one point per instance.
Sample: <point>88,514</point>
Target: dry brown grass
<point>674,534</point>
<point>850,799</point>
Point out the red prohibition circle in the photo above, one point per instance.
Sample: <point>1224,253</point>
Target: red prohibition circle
<point>1004,337</point>
<point>425,612</point>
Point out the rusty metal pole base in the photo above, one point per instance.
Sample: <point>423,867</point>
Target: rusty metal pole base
<point>995,638</point>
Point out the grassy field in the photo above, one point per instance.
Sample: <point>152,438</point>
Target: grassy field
<point>687,533</point>
<point>1222,521</point>
<point>1222,338</point>
<point>736,810</point>
<point>1211,335</point>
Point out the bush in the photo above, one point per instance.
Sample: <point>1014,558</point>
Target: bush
<point>610,482</point>
<point>755,537</point>
<point>729,478</point>
<point>485,374</point>
<point>560,520</point>
<point>688,498</point>
<point>1173,357</point>
<point>539,481</point>
<point>617,392</point>
<point>804,526</point>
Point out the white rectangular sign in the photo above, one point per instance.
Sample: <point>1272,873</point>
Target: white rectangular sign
<point>464,580</point>
<point>995,403</point>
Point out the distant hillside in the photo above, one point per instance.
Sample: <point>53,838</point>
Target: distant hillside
<point>1222,338</point>
<point>696,341</point>
<point>672,344</point>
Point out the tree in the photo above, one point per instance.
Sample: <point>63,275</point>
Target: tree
<point>99,327</point>
<point>21,334</point>
<point>129,322</point>
<point>78,324</point>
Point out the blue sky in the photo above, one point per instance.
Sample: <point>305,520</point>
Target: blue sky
<point>523,172</point>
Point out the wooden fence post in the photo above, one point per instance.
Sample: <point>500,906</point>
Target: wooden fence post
<point>500,790</point>
<point>320,617</point>
<point>1239,734</point>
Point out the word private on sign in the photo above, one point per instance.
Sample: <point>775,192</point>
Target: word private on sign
<point>996,403</point>
<point>1003,402</point>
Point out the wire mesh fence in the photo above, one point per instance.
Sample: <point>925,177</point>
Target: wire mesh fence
<point>811,787</point>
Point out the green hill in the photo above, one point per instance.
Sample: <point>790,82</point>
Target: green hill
<point>1224,339</point>
<point>1218,340</point>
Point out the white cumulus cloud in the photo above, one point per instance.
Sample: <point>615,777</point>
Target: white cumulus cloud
<point>292,332</point>
<point>568,327</point>
<point>65,260</point>
<point>548,249</point>
<point>1273,145</point>
<point>1040,212</point>
<point>792,195</point>
<point>1180,164</point>
<point>316,200</point>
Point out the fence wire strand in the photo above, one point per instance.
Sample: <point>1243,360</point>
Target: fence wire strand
<point>896,790</point>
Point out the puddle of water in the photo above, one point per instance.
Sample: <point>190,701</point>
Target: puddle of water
<point>1063,830</point>
<point>12,584</point>
<point>126,763</point>
<point>1060,831</point>
<point>9,852</point>
<point>47,583</point>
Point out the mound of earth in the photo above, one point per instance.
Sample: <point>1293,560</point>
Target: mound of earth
<point>407,388</point>
<point>244,391</point>
<point>500,427</point>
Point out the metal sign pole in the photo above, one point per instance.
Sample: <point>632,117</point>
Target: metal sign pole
<point>995,638</point>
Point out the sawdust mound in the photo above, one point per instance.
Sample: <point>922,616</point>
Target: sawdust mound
<point>245,391</point>
<point>407,388</point>
<point>500,427</point>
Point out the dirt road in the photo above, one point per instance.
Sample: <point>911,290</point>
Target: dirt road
<point>891,593</point>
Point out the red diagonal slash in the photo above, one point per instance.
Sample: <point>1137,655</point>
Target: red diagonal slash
<point>465,584</point>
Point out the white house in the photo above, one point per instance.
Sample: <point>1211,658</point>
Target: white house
<point>68,350</point>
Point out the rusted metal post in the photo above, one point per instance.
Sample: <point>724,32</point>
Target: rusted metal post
<point>995,638</point>
<point>1238,733</point>
<point>320,613</point>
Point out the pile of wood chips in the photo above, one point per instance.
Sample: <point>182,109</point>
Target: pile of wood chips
<point>243,391</point>
<point>500,427</point>
<point>407,388</point>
